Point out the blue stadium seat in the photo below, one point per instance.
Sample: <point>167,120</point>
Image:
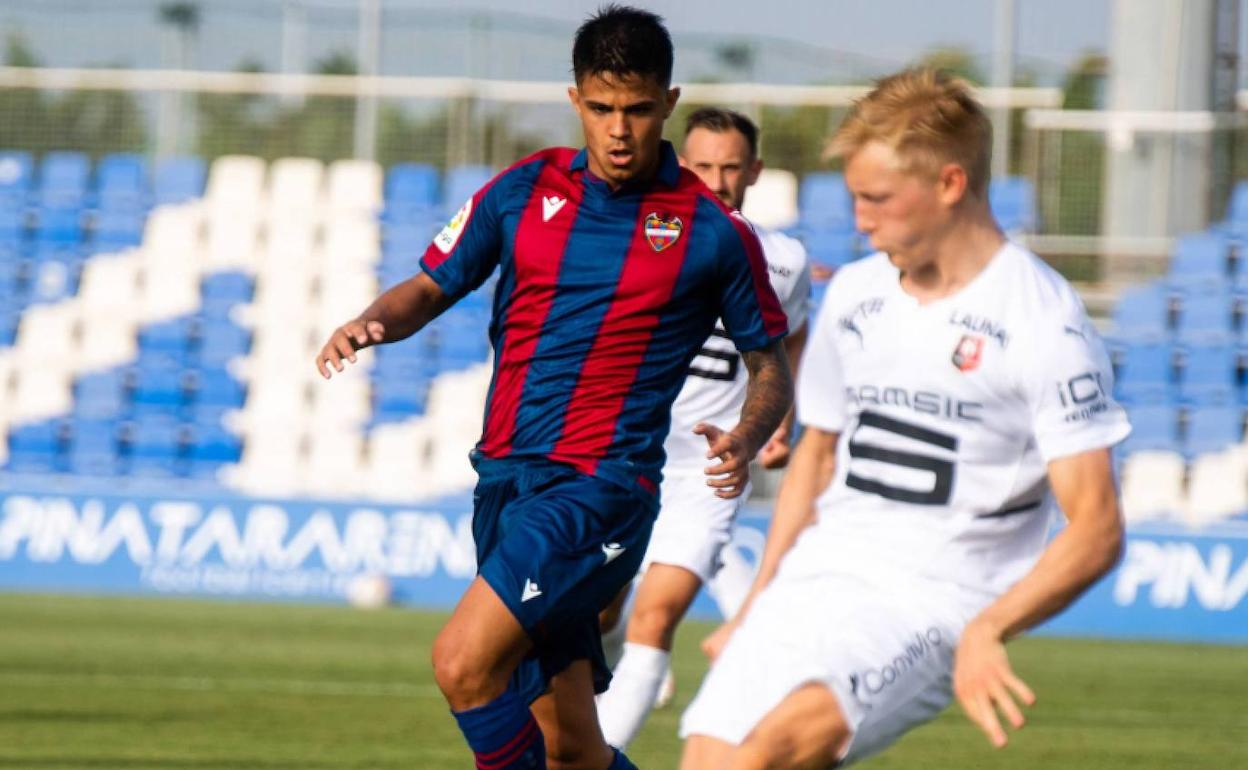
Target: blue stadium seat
<point>1142,313</point>
<point>55,278</point>
<point>1199,259</point>
<point>211,447</point>
<point>121,183</point>
<point>178,180</point>
<point>398,399</point>
<point>228,288</point>
<point>1013,203</point>
<point>94,448</point>
<point>1237,207</point>
<point>117,230</point>
<point>1212,429</point>
<point>825,203</point>
<point>158,391</point>
<point>215,387</point>
<point>58,225</point>
<point>220,342</point>
<point>16,176</point>
<point>13,229</point>
<point>152,446</point>
<point>461,183</point>
<point>63,180</point>
<point>38,448</point>
<point>1206,315</point>
<point>101,395</point>
<point>174,337</point>
<point>1208,373</point>
<point>1146,373</point>
<point>411,186</point>
<point>1154,427</point>
<point>830,247</point>
<point>9,320</point>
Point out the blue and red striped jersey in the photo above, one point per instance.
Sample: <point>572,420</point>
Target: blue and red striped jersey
<point>603,299</point>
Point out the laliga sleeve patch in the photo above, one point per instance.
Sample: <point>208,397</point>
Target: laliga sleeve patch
<point>446,239</point>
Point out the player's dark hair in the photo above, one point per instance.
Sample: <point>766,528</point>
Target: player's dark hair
<point>623,41</point>
<point>721,121</point>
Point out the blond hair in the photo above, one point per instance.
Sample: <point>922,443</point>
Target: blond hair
<point>927,117</point>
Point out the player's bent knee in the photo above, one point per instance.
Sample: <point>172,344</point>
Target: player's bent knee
<point>807,731</point>
<point>465,682</point>
<point>654,625</point>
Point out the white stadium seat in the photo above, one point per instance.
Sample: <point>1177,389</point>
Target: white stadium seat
<point>355,187</point>
<point>1152,485</point>
<point>772,200</point>
<point>40,393</point>
<point>107,341</point>
<point>1218,487</point>
<point>295,188</point>
<point>110,285</point>
<point>236,182</point>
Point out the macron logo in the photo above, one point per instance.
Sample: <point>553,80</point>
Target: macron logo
<point>531,591</point>
<point>551,205</point>
<point>611,551</point>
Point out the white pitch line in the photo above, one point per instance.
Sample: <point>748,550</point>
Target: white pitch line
<point>211,684</point>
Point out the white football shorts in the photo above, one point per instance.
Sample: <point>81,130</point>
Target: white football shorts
<point>885,653</point>
<point>693,525</point>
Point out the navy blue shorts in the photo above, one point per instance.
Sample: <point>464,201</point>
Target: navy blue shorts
<point>557,546</point>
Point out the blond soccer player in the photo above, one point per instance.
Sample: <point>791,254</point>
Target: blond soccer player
<point>954,396</point>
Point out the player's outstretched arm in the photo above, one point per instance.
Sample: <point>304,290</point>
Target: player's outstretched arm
<point>768,396</point>
<point>397,314</point>
<point>809,474</point>
<point>1082,552</point>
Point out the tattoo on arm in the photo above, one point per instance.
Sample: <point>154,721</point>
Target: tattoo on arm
<point>768,395</point>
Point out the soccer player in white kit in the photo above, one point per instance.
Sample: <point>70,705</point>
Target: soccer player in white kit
<point>953,396</point>
<point>687,545</point>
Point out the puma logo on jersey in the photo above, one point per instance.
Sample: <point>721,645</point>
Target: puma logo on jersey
<point>612,551</point>
<point>531,591</point>
<point>551,204</point>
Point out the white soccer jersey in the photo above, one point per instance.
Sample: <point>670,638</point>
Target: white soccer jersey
<point>715,388</point>
<point>948,414</point>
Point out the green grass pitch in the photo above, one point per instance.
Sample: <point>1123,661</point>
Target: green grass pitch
<point>198,685</point>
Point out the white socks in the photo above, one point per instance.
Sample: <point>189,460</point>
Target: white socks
<point>623,708</point>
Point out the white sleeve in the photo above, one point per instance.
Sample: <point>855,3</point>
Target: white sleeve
<point>788,267</point>
<point>1069,388</point>
<point>820,386</point>
<point>796,302</point>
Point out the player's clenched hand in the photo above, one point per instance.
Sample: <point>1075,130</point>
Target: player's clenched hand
<point>986,685</point>
<point>714,643</point>
<point>730,475</point>
<point>346,339</point>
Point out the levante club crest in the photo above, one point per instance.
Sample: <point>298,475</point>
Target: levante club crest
<point>662,230</point>
<point>967,354</point>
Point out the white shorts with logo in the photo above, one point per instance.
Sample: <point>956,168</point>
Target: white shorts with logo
<point>693,525</point>
<point>885,653</point>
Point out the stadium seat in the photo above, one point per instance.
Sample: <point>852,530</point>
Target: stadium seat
<point>63,180</point>
<point>295,187</point>
<point>1212,429</point>
<point>59,225</point>
<point>1146,373</point>
<point>236,183</point>
<point>100,395</point>
<point>461,183</point>
<point>215,387</point>
<point>152,446</point>
<point>121,183</point>
<point>94,447</point>
<point>106,342</point>
<point>1199,259</point>
<point>178,180</point>
<point>1207,373</point>
<point>211,447</point>
<point>825,203</point>
<point>16,179</point>
<point>39,447</point>
<point>772,200</point>
<point>1217,487</point>
<point>1154,427</point>
<point>1142,313</point>
<point>13,229</point>
<point>354,187</point>
<point>829,247</point>
<point>1152,485</point>
<point>1012,200</point>
<point>1206,315</point>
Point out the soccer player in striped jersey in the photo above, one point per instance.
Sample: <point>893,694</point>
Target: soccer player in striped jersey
<point>690,537</point>
<point>614,263</point>
<point>953,396</point>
